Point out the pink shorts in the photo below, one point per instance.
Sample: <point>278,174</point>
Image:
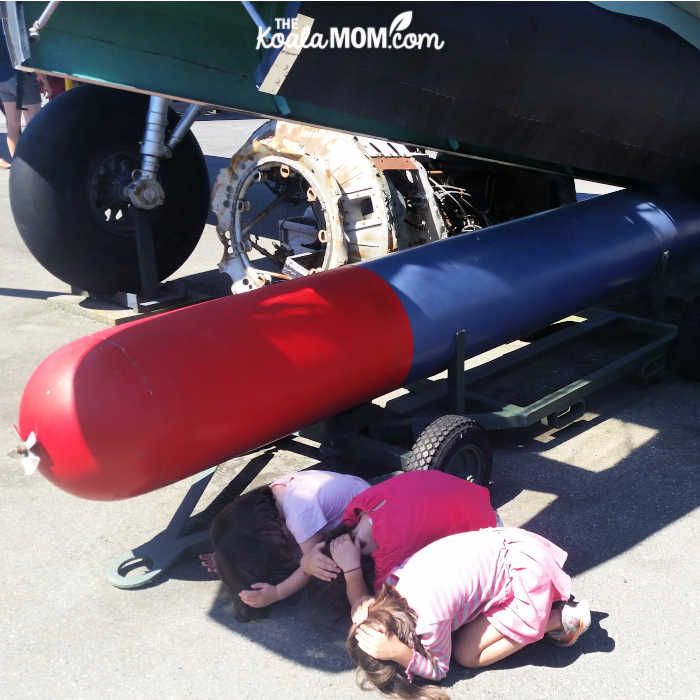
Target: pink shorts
<point>536,582</point>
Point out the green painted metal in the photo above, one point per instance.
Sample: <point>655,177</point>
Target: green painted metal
<point>644,355</point>
<point>201,52</point>
<point>565,404</point>
<point>557,407</point>
<point>197,51</point>
<point>191,50</point>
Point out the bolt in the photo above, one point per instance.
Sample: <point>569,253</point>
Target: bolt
<point>149,195</point>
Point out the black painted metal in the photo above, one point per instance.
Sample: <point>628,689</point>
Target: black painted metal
<point>568,86</point>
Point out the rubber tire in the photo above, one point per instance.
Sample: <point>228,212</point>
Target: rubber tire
<point>50,179</point>
<point>688,343</point>
<point>441,441</point>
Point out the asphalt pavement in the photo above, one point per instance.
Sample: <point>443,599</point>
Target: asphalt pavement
<point>618,490</point>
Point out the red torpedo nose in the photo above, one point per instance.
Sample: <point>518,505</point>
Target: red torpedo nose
<point>128,410</point>
<point>97,420</point>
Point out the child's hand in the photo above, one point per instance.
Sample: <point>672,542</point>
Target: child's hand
<point>319,565</point>
<point>360,610</point>
<point>346,553</point>
<point>209,562</point>
<point>261,595</point>
<point>380,645</point>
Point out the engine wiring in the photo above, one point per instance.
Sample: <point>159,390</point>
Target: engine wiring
<point>457,208</point>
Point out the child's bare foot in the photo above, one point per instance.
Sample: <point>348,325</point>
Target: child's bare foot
<point>209,561</point>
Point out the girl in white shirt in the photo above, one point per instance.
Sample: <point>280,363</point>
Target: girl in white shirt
<point>267,542</point>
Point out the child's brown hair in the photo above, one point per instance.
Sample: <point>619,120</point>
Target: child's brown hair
<point>391,612</point>
<point>252,545</point>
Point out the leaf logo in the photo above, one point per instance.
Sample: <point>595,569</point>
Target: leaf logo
<point>401,22</point>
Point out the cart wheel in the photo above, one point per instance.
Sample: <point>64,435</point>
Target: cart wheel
<point>66,190</point>
<point>688,343</point>
<point>455,445</point>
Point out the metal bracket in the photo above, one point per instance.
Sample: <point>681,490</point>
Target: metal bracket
<point>166,548</point>
<point>566,416</point>
<point>145,252</point>
<point>455,375</point>
<point>144,191</point>
<point>185,122</point>
<point>168,294</point>
<point>152,295</point>
<point>185,534</point>
<point>659,287</point>
<point>44,17</point>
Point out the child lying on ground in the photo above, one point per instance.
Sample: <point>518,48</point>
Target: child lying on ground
<point>264,540</point>
<point>477,596</point>
<point>394,519</point>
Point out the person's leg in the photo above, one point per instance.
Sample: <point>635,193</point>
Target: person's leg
<point>480,644</point>
<point>13,116</point>
<point>30,112</point>
<point>31,96</point>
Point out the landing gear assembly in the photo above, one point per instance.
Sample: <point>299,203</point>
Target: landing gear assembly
<point>70,182</point>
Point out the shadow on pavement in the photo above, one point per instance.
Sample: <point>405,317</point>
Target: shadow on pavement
<point>543,654</point>
<point>597,513</point>
<point>211,283</point>
<point>304,629</point>
<point>214,165</point>
<point>28,293</point>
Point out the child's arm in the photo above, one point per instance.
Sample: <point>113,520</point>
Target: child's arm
<point>348,557</point>
<point>260,595</point>
<point>437,641</point>
<point>356,587</point>
<point>293,583</point>
<point>434,665</point>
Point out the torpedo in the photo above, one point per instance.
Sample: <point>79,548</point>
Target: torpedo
<point>130,409</point>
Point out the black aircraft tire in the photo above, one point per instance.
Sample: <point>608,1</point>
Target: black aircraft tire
<point>688,343</point>
<point>455,445</point>
<point>66,185</point>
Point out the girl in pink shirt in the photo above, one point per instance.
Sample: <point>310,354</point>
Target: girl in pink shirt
<point>395,518</point>
<point>478,596</point>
